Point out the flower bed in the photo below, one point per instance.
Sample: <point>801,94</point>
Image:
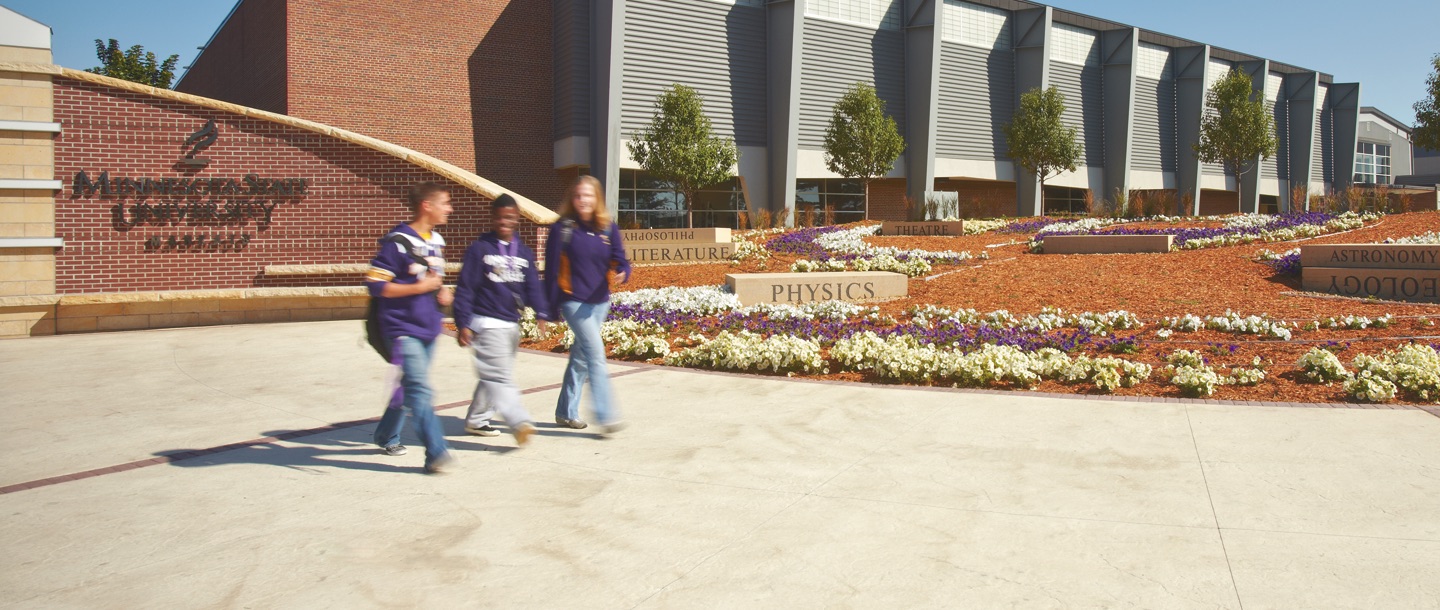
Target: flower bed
<point>1021,294</point>
<point>1242,229</point>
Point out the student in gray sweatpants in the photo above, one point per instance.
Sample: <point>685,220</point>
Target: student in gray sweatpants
<point>497,282</point>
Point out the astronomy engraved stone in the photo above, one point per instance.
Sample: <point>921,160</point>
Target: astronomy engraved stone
<point>797,288</point>
<point>1408,272</point>
<point>1107,244</point>
<point>646,246</point>
<point>892,228</point>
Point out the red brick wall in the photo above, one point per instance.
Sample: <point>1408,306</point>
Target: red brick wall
<point>467,81</point>
<point>1214,203</point>
<point>245,62</point>
<point>355,196</point>
<point>981,198</point>
<point>887,199</point>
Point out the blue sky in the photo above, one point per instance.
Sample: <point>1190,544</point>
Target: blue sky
<point>1386,50</point>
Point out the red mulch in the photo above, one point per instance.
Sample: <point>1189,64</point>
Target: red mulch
<point>1152,286</point>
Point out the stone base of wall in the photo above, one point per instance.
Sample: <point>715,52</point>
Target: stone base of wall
<point>34,316</point>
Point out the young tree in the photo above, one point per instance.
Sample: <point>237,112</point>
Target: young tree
<point>1038,141</point>
<point>1427,111</point>
<point>131,65</point>
<point>862,141</point>
<point>679,147</point>
<point>1237,131</point>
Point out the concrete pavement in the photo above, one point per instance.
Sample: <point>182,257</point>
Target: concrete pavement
<point>726,491</point>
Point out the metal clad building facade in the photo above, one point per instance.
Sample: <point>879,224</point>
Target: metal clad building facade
<point>950,71</point>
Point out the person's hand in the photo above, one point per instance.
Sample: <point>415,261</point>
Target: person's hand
<point>544,326</point>
<point>625,277</point>
<point>429,283</point>
<point>446,297</point>
<point>464,337</point>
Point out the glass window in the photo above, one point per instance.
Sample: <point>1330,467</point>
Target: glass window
<point>1064,200</point>
<point>829,201</point>
<point>647,203</point>
<point>1372,163</point>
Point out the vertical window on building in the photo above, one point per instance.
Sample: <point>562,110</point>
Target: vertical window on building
<point>646,203</point>
<point>975,25</point>
<point>1064,200</point>
<point>1153,62</point>
<point>1074,45</point>
<point>832,200</point>
<point>1372,163</point>
<point>883,14</point>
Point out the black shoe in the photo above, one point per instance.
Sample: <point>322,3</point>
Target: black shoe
<point>485,430</point>
<point>396,449</point>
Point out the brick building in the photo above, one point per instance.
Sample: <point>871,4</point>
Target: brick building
<point>123,206</point>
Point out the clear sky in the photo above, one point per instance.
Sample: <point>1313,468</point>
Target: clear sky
<point>1386,46</point>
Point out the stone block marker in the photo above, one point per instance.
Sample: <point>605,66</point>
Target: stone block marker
<point>676,236</point>
<point>1107,244</point>
<point>1371,256</point>
<point>1407,272</point>
<point>648,253</point>
<point>1397,284</point>
<point>936,228</point>
<point>797,288</point>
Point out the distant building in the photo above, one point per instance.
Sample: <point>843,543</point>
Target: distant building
<point>529,94</point>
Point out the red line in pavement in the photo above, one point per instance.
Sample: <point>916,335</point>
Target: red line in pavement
<point>293,434</point>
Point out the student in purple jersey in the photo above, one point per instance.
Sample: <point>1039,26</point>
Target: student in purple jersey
<point>410,295</point>
<point>497,283</point>
<point>582,250</point>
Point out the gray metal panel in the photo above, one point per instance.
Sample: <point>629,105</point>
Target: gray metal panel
<point>718,49</point>
<point>1084,107</point>
<point>1270,168</point>
<point>784,39</point>
<point>977,96</point>
<point>922,21</point>
<point>837,55</point>
<point>1319,156</point>
<point>1345,125</point>
<point>572,68</point>
<point>1154,148</point>
<point>1031,33</point>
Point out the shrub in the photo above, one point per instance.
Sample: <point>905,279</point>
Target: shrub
<point>1322,366</point>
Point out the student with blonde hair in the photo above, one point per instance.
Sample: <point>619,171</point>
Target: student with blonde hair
<point>583,248</point>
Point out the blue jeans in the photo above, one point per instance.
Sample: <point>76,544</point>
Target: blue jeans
<point>587,361</point>
<point>413,357</point>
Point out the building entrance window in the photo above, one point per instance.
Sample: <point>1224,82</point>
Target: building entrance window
<point>1372,163</point>
<point>647,203</point>
<point>829,200</point>
<point>1064,200</point>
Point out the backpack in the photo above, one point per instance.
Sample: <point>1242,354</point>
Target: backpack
<point>373,334</point>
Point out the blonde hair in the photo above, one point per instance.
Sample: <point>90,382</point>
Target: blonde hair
<point>601,218</point>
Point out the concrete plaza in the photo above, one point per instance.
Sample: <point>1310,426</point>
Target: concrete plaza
<point>230,467</point>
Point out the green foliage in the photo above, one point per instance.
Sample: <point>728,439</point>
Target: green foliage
<point>1038,141</point>
<point>1236,129</point>
<point>679,145</point>
<point>862,142</point>
<point>1427,111</point>
<point>134,64</point>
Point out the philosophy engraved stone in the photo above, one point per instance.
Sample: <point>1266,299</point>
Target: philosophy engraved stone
<point>938,228</point>
<point>1107,244</point>
<point>1397,284</point>
<point>676,236</point>
<point>797,288</point>
<point>1371,256</point>
<point>646,253</point>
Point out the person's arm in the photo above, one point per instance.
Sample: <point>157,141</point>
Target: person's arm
<point>534,291</point>
<point>618,259</point>
<point>551,284</point>
<point>472,274</point>
<point>389,263</point>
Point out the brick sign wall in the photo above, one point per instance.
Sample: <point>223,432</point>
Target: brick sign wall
<point>351,195</point>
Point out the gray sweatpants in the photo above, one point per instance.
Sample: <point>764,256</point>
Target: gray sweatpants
<point>492,350</point>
